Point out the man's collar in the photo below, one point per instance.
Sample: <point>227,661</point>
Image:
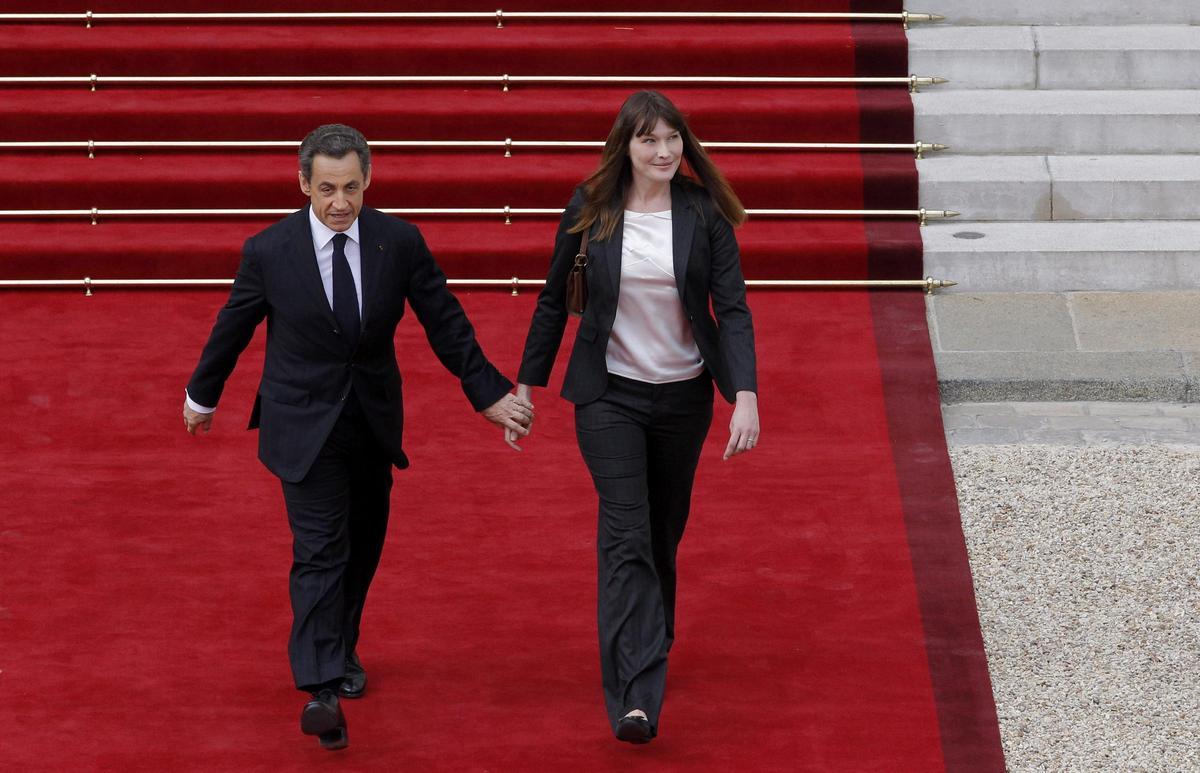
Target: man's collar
<point>323,234</point>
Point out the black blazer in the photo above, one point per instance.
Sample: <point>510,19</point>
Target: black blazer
<point>707,271</point>
<point>310,367</point>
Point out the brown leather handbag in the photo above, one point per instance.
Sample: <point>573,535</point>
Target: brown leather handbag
<point>577,292</point>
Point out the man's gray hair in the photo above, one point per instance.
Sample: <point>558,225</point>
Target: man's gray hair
<point>334,140</point>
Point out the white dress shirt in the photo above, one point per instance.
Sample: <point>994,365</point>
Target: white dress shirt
<point>651,337</point>
<point>322,236</point>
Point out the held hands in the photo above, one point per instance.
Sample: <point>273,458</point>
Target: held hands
<point>193,420</point>
<point>514,413</point>
<point>743,426</point>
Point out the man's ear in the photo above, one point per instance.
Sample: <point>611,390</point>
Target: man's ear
<point>305,187</point>
<point>367,180</point>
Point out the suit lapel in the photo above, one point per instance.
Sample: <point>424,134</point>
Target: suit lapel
<point>371,252</point>
<point>612,256</point>
<point>683,226</point>
<point>304,258</point>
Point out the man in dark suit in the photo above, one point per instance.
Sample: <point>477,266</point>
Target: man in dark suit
<point>332,281</point>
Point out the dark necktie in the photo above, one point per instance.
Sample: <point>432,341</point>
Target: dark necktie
<point>345,299</point>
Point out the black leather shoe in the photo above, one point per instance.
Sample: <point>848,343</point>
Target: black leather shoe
<point>355,682</point>
<point>322,716</point>
<point>634,730</point>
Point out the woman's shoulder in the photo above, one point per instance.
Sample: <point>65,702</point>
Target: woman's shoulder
<point>694,191</point>
<point>697,195</point>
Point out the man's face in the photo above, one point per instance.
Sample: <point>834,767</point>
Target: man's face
<point>336,189</point>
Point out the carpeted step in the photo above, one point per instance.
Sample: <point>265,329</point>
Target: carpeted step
<point>761,114</point>
<point>466,247</point>
<point>420,179</point>
<point>595,48</point>
<point>244,6</point>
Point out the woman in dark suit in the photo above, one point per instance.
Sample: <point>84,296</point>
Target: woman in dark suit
<point>661,253</point>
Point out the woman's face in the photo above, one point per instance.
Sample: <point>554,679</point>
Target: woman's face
<point>655,156</point>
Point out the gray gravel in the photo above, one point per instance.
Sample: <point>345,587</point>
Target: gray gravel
<point>1086,570</point>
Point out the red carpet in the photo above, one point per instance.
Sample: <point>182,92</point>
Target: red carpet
<point>144,571</point>
<point>827,618</point>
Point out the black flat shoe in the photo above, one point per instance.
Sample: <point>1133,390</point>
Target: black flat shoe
<point>322,716</point>
<point>634,730</point>
<point>355,682</point>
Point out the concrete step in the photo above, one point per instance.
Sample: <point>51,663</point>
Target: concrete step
<point>1042,257</point>
<point>975,57</point>
<point>988,376</point>
<point>987,187</point>
<point>1065,11</point>
<point>1077,57</point>
<point>1060,122</point>
<point>1119,57</point>
<point>1072,423</point>
<point>1067,346</point>
<point>1063,187</point>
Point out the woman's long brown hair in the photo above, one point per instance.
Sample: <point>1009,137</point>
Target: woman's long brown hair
<point>605,190</point>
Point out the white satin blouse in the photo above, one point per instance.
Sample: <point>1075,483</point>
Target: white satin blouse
<point>651,337</point>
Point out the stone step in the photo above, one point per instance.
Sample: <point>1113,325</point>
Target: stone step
<point>1052,257</point>
<point>987,376</point>
<point>1119,57</point>
<point>1054,122</point>
<point>1076,57</point>
<point>1065,11</point>
<point>987,187</point>
<point>1067,346</point>
<point>974,57</point>
<point>1072,423</point>
<point>1063,187</point>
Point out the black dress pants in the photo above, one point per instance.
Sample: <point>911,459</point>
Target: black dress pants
<point>338,514</point>
<point>641,443</point>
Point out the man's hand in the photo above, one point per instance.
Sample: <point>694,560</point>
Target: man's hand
<point>514,414</point>
<point>193,420</point>
<point>743,425</point>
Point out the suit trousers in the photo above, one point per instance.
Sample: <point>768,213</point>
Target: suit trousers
<point>641,443</point>
<point>338,514</point>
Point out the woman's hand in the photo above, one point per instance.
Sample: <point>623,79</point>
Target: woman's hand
<point>524,394</point>
<point>743,426</point>
<point>513,414</point>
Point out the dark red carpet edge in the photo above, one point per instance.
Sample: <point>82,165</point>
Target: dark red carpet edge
<point>966,711</point>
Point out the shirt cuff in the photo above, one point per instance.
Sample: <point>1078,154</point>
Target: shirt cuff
<point>197,407</point>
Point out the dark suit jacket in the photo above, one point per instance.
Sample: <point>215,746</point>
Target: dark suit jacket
<point>310,365</point>
<point>708,273</point>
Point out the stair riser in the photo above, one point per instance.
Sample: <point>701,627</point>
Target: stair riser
<point>466,247</point>
<point>1071,12</point>
<point>544,49</point>
<point>1061,123</point>
<point>1071,200</point>
<point>780,180</point>
<point>1038,272</point>
<point>260,6</point>
<point>1141,57</point>
<point>527,113</point>
<point>1041,257</point>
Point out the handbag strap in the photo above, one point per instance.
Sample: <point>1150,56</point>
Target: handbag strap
<point>581,256</point>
